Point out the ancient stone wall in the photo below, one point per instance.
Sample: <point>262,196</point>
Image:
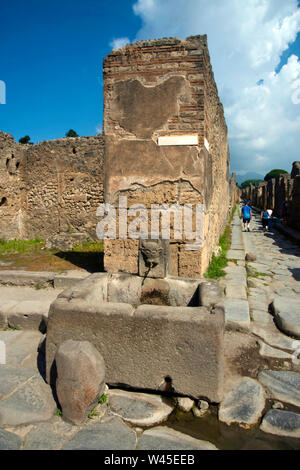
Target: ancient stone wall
<point>273,193</point>
<point>50,188</point>
<point>11,186</point>
<point>156,90</point>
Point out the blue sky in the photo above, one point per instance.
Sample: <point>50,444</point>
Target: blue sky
<point>51,61</point>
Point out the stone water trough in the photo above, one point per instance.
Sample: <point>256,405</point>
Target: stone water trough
<point>151,332</point>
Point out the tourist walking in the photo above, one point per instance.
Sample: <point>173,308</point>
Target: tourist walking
<point>264,219</point>
<point>246,214</point>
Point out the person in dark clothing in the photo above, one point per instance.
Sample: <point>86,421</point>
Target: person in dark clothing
<point>264,219</point>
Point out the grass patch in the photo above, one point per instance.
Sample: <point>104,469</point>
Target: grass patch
<point>102,399</point>
<point>218,263</point>
<point>89,247</point>
<point>9,328</point>
<point>93,414</point>
<point>20,246</point>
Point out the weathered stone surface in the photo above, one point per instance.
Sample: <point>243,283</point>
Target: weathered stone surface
<point>140,409</point>
<point>236,291</point>
<point>9,440</point>
<point>236,254</point>
<point>237,314</point>
<point>210,293</point>
<point>250,257</point>
<point>274,338</point>
<point>185,404</point>
<point>30,403</point>
<point>68,172</point>
<point>12,377</point>
<point>287,315</point>
<point>164,438</point>
<point>283,385</point>
<point>281,423</point>
<point>111,433</point>
<point>29,314</point>
<point>80,378</point>
<point>267,351</point>
<point>5,306</point>
<point>243,404</point>
<point>22,350</point>
<point>148,341</point>
<point>43,437</point>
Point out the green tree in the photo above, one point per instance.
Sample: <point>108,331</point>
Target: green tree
<point>274,173</point>
<point>248,182</point>
<point>71,133</point>
<point>24,140</point>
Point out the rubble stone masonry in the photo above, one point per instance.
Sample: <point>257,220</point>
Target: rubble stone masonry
<point>165,88</point>
<point>50,188</point>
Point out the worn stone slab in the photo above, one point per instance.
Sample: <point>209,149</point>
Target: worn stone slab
<point>24,346</point>
<point>260,268</point>
<point>267,351</point>
<point>274,338</point>
<point>281,423</point>
<point>110,433</point>
<point>32,402</point>
<point>26,278</point>
<point>286,312</point>
<point>43,437</point>
<point>236,254</point>
<point>63,281</point>
<point>140,409</point>
<point>237,314</point>
<point>9,441</point>
<point>12,377</point>
<point>235,291</point>
<point>165,438</point>
<point>261,317</point>
<point>243,404</point>
<point>5,307</point>
<point>283,385</point>
<point>29,314</point>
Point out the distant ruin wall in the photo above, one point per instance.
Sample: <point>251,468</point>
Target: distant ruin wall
<point>161,89</point>
<point>273,193</point>
<point>50,188</point>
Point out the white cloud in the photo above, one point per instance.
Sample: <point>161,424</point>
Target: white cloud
<point>117,43</point>
<point>246,40</point>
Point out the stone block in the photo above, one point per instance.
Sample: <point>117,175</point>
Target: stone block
<point>142,347</point>
<point>80,378</point>
<point>210,293</point>
<point>29,314</point>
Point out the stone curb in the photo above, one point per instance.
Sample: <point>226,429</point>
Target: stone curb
<point>42,279</point>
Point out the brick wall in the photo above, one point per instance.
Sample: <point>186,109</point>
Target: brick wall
<point>153,89</point>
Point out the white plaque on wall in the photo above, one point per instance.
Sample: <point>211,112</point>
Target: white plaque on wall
<point>178,140</point>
